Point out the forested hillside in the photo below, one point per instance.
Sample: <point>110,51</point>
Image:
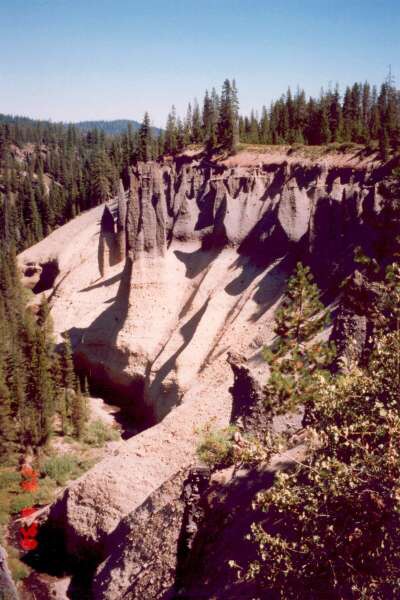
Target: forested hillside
<point>113,127</point>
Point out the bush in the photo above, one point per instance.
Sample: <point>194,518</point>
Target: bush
<point>61,468</point>
<point>224,447</point>
<point>46,490</point>
<point>18,569</point>
<point>347,147</point>
<point>216,449</point>
<point>21,501</point>
<point>9,479</point>
<point>98,432</point>
<point>332,526</point>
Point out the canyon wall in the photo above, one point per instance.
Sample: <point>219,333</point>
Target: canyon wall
<point>203,254</point>
<point>208,251</point>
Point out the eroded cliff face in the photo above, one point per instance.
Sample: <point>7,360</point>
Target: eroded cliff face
<point>204,253</point>
<point>208,249</point>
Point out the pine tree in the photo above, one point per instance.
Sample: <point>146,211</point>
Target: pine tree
<point>384,146</point>
<point>293,360</point>
<point>180,136</point>
<point>7,425</point>
<point>228,124</point>
<point>42,387</point>
<point>335,116</point>
<point>32,222</point>
<point>188,126</point>
<point>264,127</point>
<point>78,413</point>
<point>145,139</point>
<point>100,178</point>
<point>325,133</point>
<point>210,120</point>
<point>347,115</point>
<point>170,141</point>
<point>196,124</point>
<point>68,382</point>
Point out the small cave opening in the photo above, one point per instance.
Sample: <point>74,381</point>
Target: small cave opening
<point>53,567</point>
<point>123,400</point>
<point>48,276</point>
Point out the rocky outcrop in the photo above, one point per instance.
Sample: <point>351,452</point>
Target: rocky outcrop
<point>360,311</point>
<point>92,507</point>
<point>121,222</point>
<point>202,242</point>
<point>248,409</point>
<point>208,251</point>
<point>8,590</point>
<point>109,253</point>
<point>142,553</point>
<point>227,512</point>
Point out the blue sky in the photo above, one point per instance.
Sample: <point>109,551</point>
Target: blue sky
<point>107,59</point>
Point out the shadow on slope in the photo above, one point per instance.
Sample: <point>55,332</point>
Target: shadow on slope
<point>97,358</point>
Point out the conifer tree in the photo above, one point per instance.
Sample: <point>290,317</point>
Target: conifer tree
<point>188,126</point>
<point>228,125</point>
<point>145,139</point>
<point>384,143</point>
<point>180,135</point>
<point>210,121</point>
<point>196,124</point>
<point>100,183</point>
<point>292,359</point>
<point>170,141</point>
<point>68,381</point>
<point>7,424</point>
<point>78,413</point>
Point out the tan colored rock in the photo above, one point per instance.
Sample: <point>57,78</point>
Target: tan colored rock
<point>209,249</point>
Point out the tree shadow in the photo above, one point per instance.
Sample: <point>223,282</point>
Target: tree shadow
<point>105,359</point>
<point>222,515</point>
<point>272,286</point>
<point>197,261</point>
<point>188,330</point>
<point>104,283</point>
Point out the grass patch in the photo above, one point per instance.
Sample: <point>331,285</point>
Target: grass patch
<point>62,468</point>
<point>18,569</point>
<point>216,449</point>
<point>22,500</point>
<point>9,479</point>
<point>98,433</point>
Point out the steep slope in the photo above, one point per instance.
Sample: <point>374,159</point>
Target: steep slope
<point>208,251</point>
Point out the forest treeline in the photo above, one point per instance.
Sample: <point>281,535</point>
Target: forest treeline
<point>39,391</point>
<point>51,172</point>
<point>363,114</point>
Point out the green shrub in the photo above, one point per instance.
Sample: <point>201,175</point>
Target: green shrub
<point>61,468</point>
<point>396,172</point>
<point>18,569</point>
<point>9,479</point>
<point>46,490</point>
<point>222,448</point>
<point>21,501</point>
<point>98,432</point>
<point>216,449</point>
<point>347,146</point>
<point>332,525</point>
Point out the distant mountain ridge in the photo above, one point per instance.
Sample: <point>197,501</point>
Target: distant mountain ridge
<point>112,127</point>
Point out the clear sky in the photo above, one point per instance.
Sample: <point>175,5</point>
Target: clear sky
<point>107,59</point>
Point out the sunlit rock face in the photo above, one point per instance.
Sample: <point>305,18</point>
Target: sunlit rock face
<point>202,255</point>
<point>209,246</point>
